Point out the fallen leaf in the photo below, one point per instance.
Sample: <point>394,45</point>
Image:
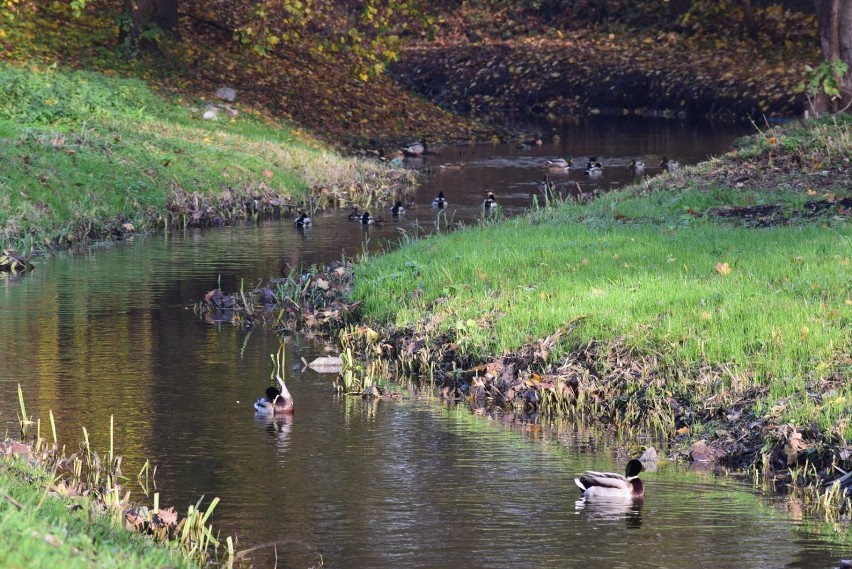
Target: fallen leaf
<point>723,269</point>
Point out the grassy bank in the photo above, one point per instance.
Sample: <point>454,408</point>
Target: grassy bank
<point>714,302</point>
<point>84,155</point>
<point>73,510</point>
<point>41,529</point>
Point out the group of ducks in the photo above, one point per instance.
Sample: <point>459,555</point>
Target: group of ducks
<point>594,485</point>
<point>364,217</point>
<point>440,202</point>
<point>595,168</point>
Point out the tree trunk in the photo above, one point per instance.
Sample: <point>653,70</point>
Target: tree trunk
<point>751,24</point>
<point>146,13</point>
<point>835,32</point>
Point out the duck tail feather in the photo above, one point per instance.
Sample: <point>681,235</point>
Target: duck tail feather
<point>285,393</point>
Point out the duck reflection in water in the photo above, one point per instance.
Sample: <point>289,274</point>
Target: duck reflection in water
<point>612,512</point>
<point>278,426</point>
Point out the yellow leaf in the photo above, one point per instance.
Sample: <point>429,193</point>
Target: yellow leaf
<point>706,316</point>
<point>268,173</point>
<point>804,332</point>
<point>811,192</point>
<point>723,269</point>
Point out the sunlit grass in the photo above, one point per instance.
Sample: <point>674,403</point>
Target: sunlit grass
<point>80,149</point>
<point>43,530</point>
<point>766,308</point>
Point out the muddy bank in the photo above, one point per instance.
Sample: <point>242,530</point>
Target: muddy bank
<point>658,75</point>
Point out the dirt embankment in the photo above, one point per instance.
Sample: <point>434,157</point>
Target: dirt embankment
<point>662,75</point>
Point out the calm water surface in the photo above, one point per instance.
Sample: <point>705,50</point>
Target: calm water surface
<point>360,484</point>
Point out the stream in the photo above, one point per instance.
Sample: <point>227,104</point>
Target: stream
<point>354,483</point>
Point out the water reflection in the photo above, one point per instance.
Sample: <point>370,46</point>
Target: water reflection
<point>366,484</point>
<point>626,512</point>
<point>279,427</point>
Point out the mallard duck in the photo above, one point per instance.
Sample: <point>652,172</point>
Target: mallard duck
<point>439,201</point>
<point>302,221</point>
<point>354,214</point>
<point>595,169</point>
<point>397,209</point>
<point>669,165</point>
<point>637,166</point>
<point>490,201</point>
<point>366,218</point>
<point>560,163</point>
<point>276,401</point>
<point>415,149</point>
<point>612,486</point>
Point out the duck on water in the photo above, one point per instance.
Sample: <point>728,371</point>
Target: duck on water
<point>277,401</point>
<point>612,486</point>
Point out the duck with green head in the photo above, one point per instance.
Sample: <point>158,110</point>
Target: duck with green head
<point>612,486</point>
<point>669,165</point>
<point>276,401</point>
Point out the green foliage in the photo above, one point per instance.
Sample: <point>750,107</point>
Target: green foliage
<point>50,97</point>
<point>824,79</point>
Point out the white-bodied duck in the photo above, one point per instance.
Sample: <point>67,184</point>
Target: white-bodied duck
<point>439,202</point>
<point>612,486</point>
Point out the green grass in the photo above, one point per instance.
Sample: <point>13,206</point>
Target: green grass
<point>638,266</point>
<point>81,151</point>
<point>44,530</point>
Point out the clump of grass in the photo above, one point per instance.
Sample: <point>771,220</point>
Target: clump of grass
<point>70,511</point>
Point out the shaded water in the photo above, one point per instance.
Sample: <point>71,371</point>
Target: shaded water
<point>358,484</point>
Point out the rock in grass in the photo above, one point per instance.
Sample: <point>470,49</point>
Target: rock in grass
<point>226,94</point>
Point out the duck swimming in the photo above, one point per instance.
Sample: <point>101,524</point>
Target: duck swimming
<point>595,169</point>
<point>440,201</point>
<point>490,201</point>
<point>415,149</point>
<point>366,218</point>
<point>397,209</point>
<point>276,401</point>
<point>612,486</point>
<point>302,221</point>
<point>354,214</point>
<point>669,165</point>
<point>560,163</point>
<point>637,166</point>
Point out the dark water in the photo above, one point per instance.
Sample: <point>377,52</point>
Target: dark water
<point>351,483</point>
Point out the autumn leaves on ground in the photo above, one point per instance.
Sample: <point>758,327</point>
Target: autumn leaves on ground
<point>469,59</point>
